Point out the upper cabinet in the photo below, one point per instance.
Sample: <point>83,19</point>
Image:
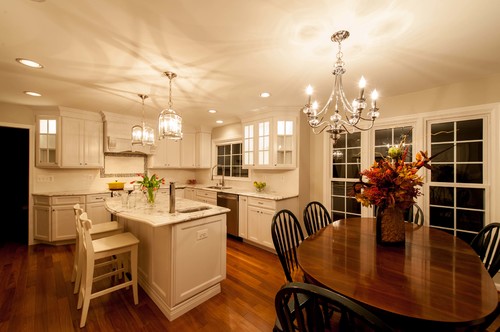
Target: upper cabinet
<point>81,144</point>
<point>69,138</point>
<point>48,142</point>
<point>193,151</point>
<point>270,143</point>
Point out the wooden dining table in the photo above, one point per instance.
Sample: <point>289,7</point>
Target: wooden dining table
<point>435,281</point>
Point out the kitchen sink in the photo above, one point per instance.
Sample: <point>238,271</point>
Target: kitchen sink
<point>194,209</point>
<point>218,187</point>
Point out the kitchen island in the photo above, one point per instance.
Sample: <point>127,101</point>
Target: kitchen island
<point>182,255</point>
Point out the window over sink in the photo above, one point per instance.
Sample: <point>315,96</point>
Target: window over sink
<point>229,160</point>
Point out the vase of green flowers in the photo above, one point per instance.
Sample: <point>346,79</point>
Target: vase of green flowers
<point>150,185</point>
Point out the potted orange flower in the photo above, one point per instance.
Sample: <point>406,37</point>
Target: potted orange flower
<point>392,185</point>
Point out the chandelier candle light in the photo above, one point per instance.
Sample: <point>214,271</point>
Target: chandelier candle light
<point>169,122</point>
<point>335,125</point>
<point>143,135</point>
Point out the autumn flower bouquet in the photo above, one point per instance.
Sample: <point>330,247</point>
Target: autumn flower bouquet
<point>150,185</point>
<point>392,185</point>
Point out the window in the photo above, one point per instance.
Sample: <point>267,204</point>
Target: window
<point>457,190</point>
<point>346,163</point>
<point>385,138</point>
<point>229,160</point>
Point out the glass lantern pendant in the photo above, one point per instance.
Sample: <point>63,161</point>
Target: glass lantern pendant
<point>143,134</point>
<point>169,122</point>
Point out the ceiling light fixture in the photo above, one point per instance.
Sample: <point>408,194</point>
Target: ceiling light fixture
<point>219,121</point>
<point>335,125</point>
<point>29,63</point>
<point>143,135</point>
<point>212,111</point>
<point>33,93</point>
<point>169,122</point>
<point>265,94</point>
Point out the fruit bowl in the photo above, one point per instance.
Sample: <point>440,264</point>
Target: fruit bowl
<point>259,186</point>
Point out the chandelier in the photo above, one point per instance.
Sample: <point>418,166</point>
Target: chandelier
<point>169,122</point>
<point>335,124</point>
<point>143,134</point>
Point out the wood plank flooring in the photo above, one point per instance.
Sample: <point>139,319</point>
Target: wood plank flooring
<point>36,294</point>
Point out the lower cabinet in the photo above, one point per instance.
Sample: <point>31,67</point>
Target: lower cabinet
<point>206,196</point>
<point>54,216</point>
<point>189,193</point>
<point>259,216</point>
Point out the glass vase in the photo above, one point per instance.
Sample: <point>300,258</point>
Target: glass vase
<point>150,196</point>
<point>390,227</point>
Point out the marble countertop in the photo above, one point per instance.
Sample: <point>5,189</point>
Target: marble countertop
<point>245,192</point>
<point>158,215</point>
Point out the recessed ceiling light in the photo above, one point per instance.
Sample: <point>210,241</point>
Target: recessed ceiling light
<point>219,121</point>
<point>29,63</point>
<point>265,94</point>
<point>33,93</point>
<point>212,111</point>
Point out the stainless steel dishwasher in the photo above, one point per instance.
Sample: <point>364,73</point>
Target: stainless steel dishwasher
<point>230,201</point>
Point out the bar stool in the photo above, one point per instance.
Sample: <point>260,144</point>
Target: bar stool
<point>97,231</point>
<point>106,247</point>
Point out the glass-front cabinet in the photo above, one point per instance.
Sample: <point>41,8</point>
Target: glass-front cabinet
<point>270,143</point>
<point>47,141</point>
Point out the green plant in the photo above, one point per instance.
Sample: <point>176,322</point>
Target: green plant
<point>259,185</point>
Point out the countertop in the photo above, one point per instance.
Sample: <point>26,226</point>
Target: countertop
<point>158,215</point>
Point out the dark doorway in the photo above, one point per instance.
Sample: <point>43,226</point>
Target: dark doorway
<point>15,192</point>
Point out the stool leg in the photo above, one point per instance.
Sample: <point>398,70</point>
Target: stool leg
<point>75,261</point>
<point>78,277</point>
<point>86,290</point>
<point>133,270</point>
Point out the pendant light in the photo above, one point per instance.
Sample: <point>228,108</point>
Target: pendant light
<point>169,122</point>
<point>143,135</point>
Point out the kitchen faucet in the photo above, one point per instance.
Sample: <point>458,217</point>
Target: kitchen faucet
<point>212,175</point>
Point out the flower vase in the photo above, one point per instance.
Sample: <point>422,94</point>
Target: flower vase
<point>150,196</point>
<point>390,227</point>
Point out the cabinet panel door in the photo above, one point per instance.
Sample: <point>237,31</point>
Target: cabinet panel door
<point>41,223</point>
<point>173,153</point>
<point>72,149</point>
<point>93,144</point>
<point>97,213</point>
<point>188,150</point>
<point>63,223</point>
<point>159,159</point>
<point>253,224</point>
<point>265,227</point>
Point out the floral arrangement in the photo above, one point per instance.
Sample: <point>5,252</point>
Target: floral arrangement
<point>149,185</point>
<point>391,182</point>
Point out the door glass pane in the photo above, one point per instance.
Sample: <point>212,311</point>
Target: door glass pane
<point>471,198</point>
<point>442,173</point>
<point>442,132</point>
<point>472,151</point>
<point>439,156</point>
<point>441,196</point>
<point>441,217</point>
<point>471,173</point>
<point>470,220</point>
<point>470,130</point>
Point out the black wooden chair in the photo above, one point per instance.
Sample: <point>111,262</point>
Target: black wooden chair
<point>311,315</point>
<point>415,215</point>
<point>487,245</point>
<point>287,235</point>
<point>316,216</point>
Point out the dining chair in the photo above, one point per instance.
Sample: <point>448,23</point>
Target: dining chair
<point>316,216</point>
<point>287,235</point>
<point>415,215</point>
<point>97,231</point>
<point>349,316</point>
<point>123,244</point>
<point>487,245</point>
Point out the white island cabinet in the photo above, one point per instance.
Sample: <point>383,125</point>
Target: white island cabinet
<point>182,255</point>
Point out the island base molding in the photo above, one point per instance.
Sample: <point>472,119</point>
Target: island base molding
<point>183,307</point>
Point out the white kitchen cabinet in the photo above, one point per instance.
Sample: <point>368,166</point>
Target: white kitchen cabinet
<point>206,196</point>
<point>188,150</point>
<point>47,141</point>
<point>189,193</point>
<point>259,216</point>
<point>168,154</point>
<point>54,217</point>
<point>270,143</point>
<point>81,144</point>
<point>95,206</point>
<point>203,149</point>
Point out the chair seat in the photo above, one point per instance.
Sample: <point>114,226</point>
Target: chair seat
<point>105,227</point>
<point>114,242</point>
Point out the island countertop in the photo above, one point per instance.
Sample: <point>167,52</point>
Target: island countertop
<point>158,215</point>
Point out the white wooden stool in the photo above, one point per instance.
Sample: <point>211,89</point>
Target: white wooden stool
<point>120,244</point>
<point>98,231</point>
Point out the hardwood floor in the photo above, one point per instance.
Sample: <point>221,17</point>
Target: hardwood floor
<point>36,294</point>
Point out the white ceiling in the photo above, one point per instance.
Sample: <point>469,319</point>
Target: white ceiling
<point>99,54</point>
